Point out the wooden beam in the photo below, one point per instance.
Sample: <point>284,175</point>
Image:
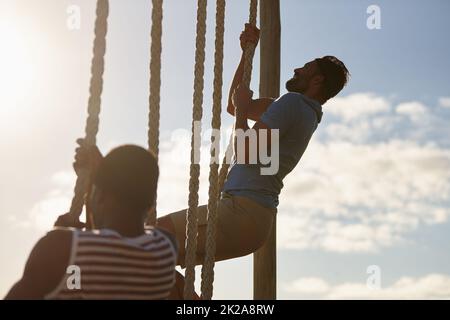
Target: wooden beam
<point>265,259</point>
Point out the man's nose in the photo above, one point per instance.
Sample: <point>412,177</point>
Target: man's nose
<point>297,70</point>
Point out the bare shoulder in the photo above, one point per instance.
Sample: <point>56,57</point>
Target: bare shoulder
<point>51,254</point>
<point>59,235</point>
<point>45,267</point>
<point>57,242</point>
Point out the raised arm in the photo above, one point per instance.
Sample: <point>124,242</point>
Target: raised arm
<point>257,106</point>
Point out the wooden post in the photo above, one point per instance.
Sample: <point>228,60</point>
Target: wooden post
<point>265,259</point>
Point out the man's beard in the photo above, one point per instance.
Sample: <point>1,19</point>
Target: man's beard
<point>293,85</point>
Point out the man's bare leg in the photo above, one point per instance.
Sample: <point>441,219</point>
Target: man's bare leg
<point>166,223</point>
<point>222,250</point>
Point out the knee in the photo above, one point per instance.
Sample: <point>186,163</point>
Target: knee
<point>166,223</point>
<point>258,242</point>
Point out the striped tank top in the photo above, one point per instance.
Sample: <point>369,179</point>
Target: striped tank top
<point>114,267</point>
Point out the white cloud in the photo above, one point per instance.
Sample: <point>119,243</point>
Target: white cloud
<point>431,286</point>
<point>57,201</point>
<point>360,198</point>
<point>43,215</point>
<point>413,107</point>
<point>308,286</point>
<point>64,179</point>
<point>414,110</point>
<point>444,102</point>
<point>357,105</point>
<point>368,183</point>
<point>411,121</point>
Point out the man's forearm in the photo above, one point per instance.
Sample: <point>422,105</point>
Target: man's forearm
<point>257,106</point>
<point>240,124</point>
<point>237,79</point>
<point>240,121</point>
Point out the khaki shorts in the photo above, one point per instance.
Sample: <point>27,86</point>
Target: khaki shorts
<point>242,227</point>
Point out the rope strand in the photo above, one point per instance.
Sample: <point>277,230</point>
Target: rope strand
<point>249,52</point>
<point>191,219</point>
<point>210,250</point>
<point>155,87</point>
<point>94,102</point>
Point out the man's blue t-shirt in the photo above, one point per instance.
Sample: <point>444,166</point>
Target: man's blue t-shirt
<point>296,116</point>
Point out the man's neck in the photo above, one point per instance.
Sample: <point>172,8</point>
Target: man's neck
<point>315,96</point>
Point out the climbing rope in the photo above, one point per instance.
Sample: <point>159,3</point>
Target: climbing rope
<point>249,52</point>
<point>210,250</point>
<point>191,219</point>
<point>94,102</point>
<point>216,181</point>
<point>155,86</point>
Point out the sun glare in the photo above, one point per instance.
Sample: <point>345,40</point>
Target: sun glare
<point>16,69</point>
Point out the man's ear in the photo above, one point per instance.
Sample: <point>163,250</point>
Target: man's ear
<point>318,80</point>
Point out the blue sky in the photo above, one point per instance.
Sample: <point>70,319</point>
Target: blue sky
<point>373,187</point>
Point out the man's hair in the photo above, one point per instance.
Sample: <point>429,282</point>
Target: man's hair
<point>130,174</point>
<point>335,73</point>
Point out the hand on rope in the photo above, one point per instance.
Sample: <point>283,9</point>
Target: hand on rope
<point>69,221</point>
<point>250,35</point>
<point>87,158</point>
